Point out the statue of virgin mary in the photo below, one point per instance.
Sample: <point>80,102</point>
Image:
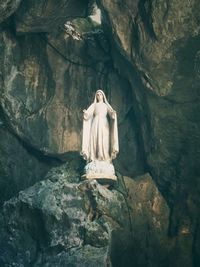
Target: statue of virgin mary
<point>100,138</point>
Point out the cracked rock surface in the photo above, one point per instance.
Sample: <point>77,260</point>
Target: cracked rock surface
<point>62,221</point>
<point>7,8</point>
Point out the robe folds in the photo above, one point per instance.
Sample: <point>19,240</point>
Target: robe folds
<point>100,133</point>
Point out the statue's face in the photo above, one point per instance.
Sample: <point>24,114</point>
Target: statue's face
<point>99,96</point>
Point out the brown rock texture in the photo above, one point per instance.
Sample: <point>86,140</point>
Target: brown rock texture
<point>43,94</point>
<point>145,56</point>
<point>155,45</point>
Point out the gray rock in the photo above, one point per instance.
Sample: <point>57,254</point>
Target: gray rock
<point>154,45</point>
<point>7,8</point>
<point>20,165</point>
<point>62,222</point>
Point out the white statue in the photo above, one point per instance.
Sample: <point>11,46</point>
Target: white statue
<point>100,138</point>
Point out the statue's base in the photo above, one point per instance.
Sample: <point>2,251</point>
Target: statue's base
<point>101,178</point>
<point>102,171</point>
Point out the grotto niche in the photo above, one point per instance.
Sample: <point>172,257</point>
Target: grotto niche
<point>54,55</point>
<point>100,143</point>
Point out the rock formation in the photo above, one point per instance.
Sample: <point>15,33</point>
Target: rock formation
<point>155,45</point>
<point>145,56</point>
<point>7,8</point>
<point>62,221</point>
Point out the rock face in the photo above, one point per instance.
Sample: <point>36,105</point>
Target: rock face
<point>155,38</point>
<point>149,217</point>
<point>47,16</point>
<point>155,45</point>
<point>64,222</point>
<point>43,94</point>
<point>164,51</point>
<point>7,8</point>
<point>19,167</point>
<point>147,62</point>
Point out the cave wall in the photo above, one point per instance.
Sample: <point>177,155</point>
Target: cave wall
<point>43,94</point>
<point>155,45</point>
<point>146,59</point>
<point>47,79</point>
<point>48,16</point>
<point>7,8</point>
<point>18,167</point>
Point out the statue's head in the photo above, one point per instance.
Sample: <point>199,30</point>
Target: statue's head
<point>99,95</point>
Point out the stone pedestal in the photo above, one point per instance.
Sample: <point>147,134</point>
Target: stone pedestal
<point>102,171</point>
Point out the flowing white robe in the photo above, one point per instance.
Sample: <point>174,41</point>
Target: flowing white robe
<point>100,139</point>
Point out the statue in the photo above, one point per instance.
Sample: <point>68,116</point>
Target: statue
<point>100,139</point>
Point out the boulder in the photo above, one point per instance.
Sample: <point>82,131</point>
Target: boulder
<point>63,221</point>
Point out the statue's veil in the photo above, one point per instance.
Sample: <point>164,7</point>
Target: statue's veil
<point>114,143</point>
